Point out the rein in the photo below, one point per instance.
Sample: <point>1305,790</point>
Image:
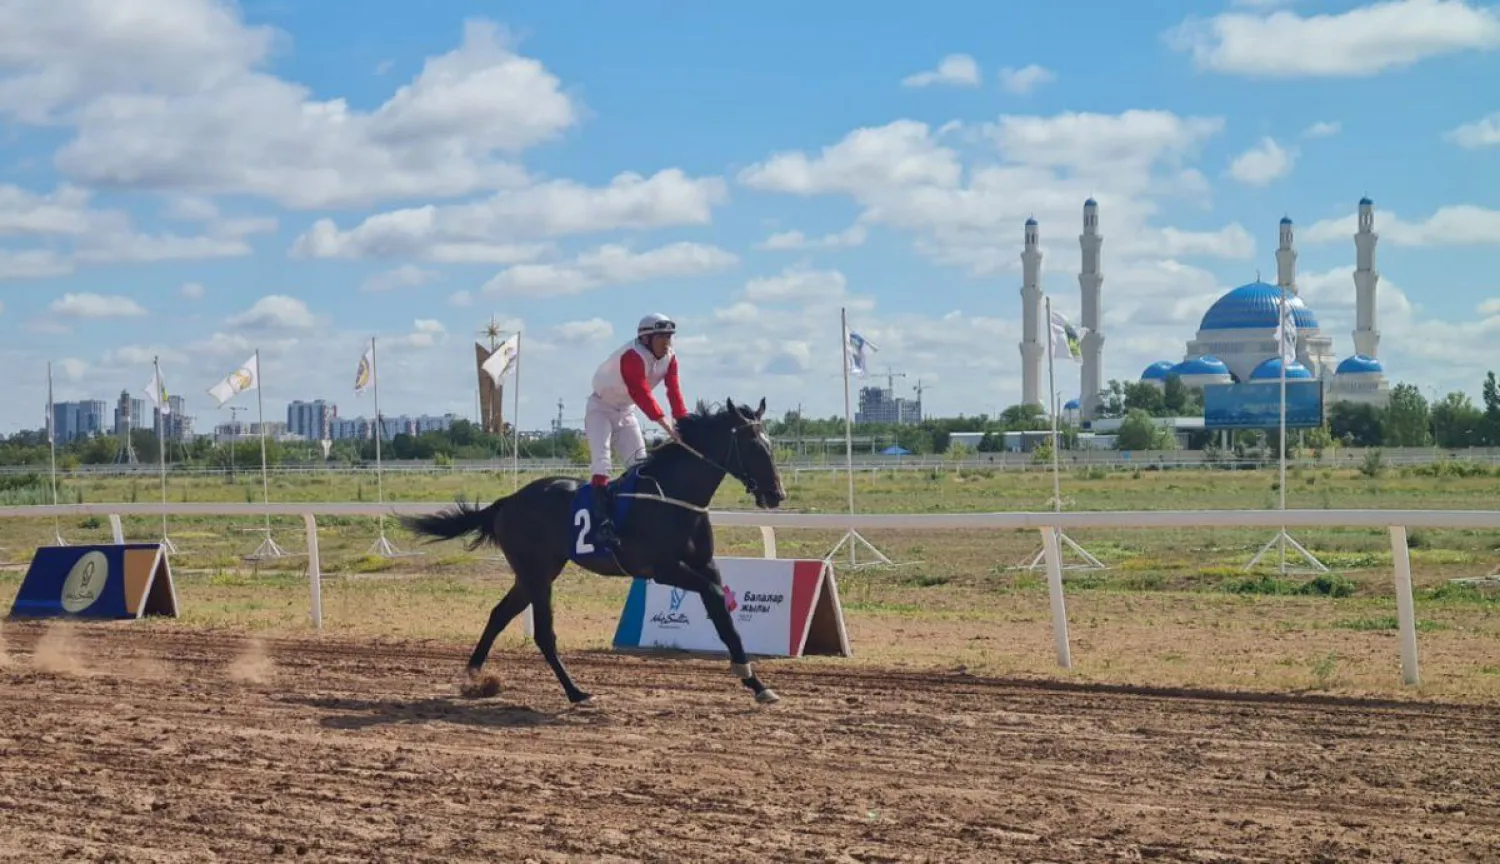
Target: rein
<point>734,449</point>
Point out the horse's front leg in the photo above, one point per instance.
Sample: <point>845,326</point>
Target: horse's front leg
<point>710,587</point>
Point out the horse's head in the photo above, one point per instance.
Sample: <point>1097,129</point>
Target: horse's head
<point>735,440</point>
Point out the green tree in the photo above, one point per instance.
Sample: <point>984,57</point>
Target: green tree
<point>1140,432</point>
<point>1357,424</point>
<point>1457,422</point>
<point>1407,418</point>
<point>1491,411</point>
<point>1147,397</point>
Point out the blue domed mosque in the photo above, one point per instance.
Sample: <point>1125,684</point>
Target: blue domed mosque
<point>1236,339</point>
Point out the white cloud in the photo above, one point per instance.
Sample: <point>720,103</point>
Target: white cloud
<point>191,291</point>
<point>958,70</point>
<point>166,95</point>
<point>855,235</point>
<point>1484,132</point>
<point>1231,242</point>
<point>1322,129</point>
<point>405,276</point>
<point>95,306</point>
<point>611,264</point>
<point>799,285</point>
<point>1453,225</point>
<point>425,333</point>
<point>905,179</point>
<point>1261,164</point>
<point>73,369</point>
<point>584,332</point>
<point>1362,41</point>
<point>461,299</point>
<point>487,231</point>
<point>32,264</point>
<point>274,312</point>
<point>1025,79</point>
<point>901,153</point>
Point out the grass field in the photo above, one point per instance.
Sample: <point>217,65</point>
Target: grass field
<point>1174,607</point>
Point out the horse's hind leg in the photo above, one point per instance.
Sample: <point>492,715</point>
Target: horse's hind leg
<point>546,639</point>
<point>512,604</point>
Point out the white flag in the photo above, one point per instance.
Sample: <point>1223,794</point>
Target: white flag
<point>156,391</point>
<point>247,377</point>
<point>503,358</point>
<point>1064,339</point>
<point>854,347</point>
<point>366,371</point>
<point>1286,334</point>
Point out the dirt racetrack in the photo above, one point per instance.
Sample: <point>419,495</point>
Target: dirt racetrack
<point>129,743</point>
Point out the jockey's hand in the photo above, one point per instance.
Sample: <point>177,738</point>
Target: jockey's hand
<point>671,430</point>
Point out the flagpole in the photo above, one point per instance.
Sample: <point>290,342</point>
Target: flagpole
<point>848,420</point>
<point>52,446</point>
<point>1055,409</point>
<point>161,446</point>
<point>851,536</point>
<point>1281,316</point>
<point>1052,409</point>
<point>268,547</point>
<point>379,434</point>
<point>515,421</point>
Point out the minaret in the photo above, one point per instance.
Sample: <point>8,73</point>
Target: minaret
<point>1366,335</point>
<point>1031,319</point>
<point>1286,260</point>
<point>1089,279</point>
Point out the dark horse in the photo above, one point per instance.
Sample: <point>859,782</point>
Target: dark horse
<point>667,539</point>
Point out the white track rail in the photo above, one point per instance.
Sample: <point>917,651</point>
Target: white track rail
<point>1396,522</point>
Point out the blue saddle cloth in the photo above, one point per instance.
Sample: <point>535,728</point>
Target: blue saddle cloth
<point>585,547</point>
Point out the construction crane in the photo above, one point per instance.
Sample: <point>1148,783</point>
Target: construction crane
<point>921,388</point>
<point>890,380</point>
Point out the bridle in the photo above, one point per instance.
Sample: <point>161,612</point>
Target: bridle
<point>732,452</point>
<point>731,456</point>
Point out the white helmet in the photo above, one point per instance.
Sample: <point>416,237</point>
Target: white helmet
<point>655,323</point>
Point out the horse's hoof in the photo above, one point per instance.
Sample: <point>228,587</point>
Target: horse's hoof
<point>767,697</point>
<point>586,702</point>
<point>481,687</point>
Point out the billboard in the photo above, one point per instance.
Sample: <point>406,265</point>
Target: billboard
<point>1257,405</point>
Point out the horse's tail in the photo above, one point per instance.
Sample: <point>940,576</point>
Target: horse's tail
<point>463,518</point>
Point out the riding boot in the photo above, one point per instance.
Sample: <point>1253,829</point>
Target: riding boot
<point>605,533</point>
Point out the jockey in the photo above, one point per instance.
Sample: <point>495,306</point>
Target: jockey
<point>624,381</point>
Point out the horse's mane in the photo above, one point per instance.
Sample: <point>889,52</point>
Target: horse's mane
<point>703,417</point>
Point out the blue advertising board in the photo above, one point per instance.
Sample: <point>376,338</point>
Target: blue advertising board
<point>1257,405</point>
<point>105,581</point>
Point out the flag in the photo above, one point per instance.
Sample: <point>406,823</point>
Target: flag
<point>1064,339</point>
<point>503,358</point>
<point>1286,334</point>
<point>366,371</point>
<point>247,377</point>
<point>156,391</point>
<point>854,347</point>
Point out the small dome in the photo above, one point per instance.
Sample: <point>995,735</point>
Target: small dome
<point>1091,203</point>
<point>1030,222</point>
<point>1071,405</point>
<point>1286,220</point>
<point>1366,202</point>
<point>1359,364</point>
<point>1208,364</point>
<point>1253,306</point>
<point>1157,371</point>
<point>1271,370</point>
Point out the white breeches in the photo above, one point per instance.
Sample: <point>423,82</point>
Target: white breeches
<point>607,425</point>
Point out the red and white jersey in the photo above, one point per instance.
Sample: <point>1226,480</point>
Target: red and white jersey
<point>629,375</point>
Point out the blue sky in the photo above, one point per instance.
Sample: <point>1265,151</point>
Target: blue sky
<point>194,180</point>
